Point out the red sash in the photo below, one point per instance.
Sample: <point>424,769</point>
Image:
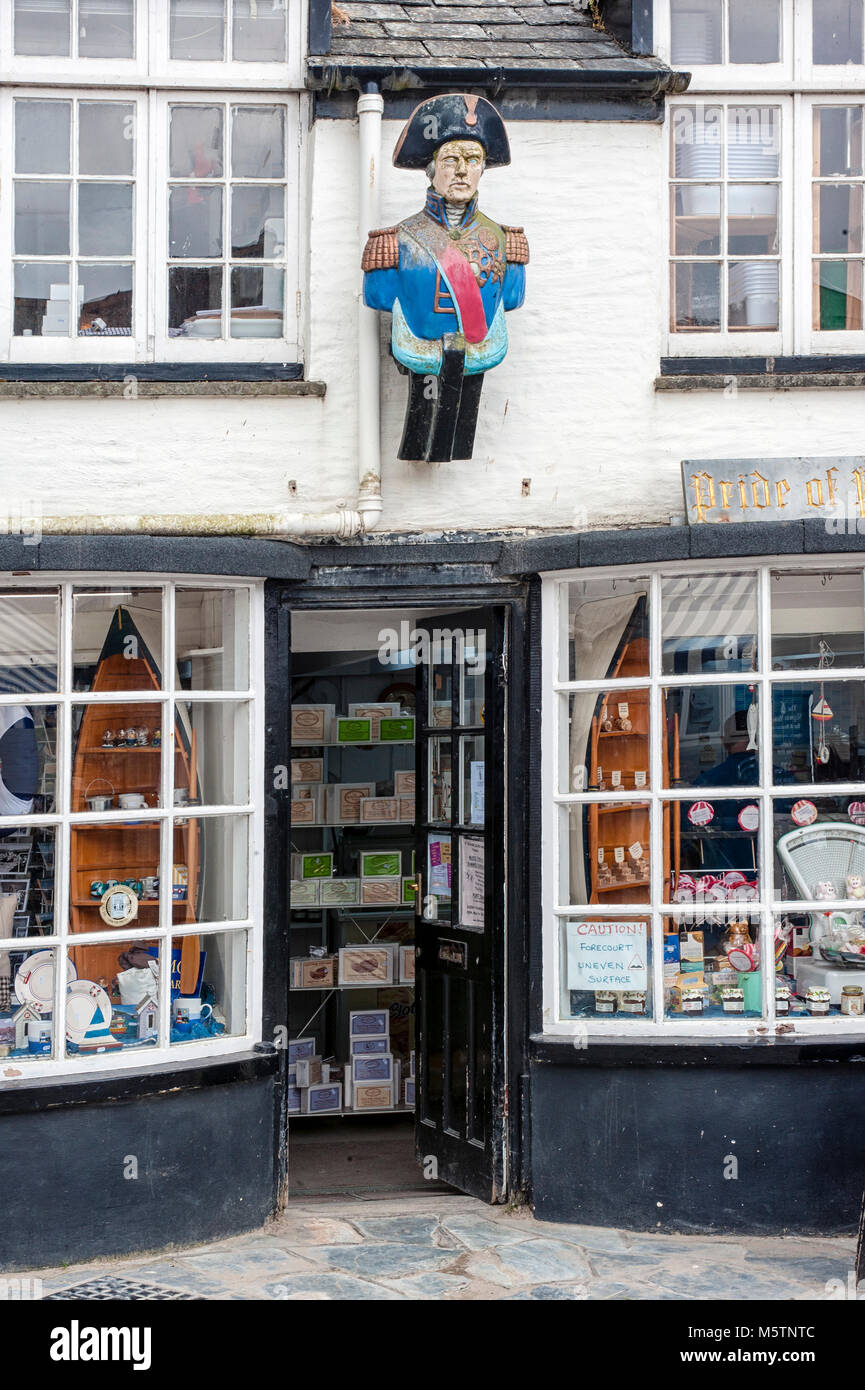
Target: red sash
<point>459,277</point>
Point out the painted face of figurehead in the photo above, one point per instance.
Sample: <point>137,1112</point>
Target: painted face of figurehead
<point>457,168</point>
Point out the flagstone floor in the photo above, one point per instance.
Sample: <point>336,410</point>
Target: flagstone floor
<point>450,1247</point>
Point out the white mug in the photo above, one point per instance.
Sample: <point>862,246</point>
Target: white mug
<point>131,801</point>
<point>188,1008</point>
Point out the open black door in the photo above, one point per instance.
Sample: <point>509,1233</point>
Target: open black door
<point>460,928</point>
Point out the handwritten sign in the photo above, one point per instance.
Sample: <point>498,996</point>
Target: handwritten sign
<point>607,955</point>
<point>472,882</point>
<point>831,489</point>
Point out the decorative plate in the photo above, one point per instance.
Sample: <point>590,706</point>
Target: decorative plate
<point>34,980</point>
<point>83,999</point>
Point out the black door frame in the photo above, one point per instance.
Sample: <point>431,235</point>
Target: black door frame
<point>523,821</point>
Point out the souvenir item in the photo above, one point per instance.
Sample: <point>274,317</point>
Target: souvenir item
<point>366,965</point>
<point>304,892</point>
<point>450,245</point>
<point>825,891</point>
<point>300,1047</point>
<point>374,1067</point>
<point>855,888</point>
<point>856,812</point>
<point>377,810</point>
<point>817,1000</point>
<point>633,1002</point>
<point>733,1000</point>
<point>138,982</point>
<point>88,1016</point>
<point>34,980</point>
<point>99,800</point>
<point>406,965</point>
<point>701,813</point>
<point>782,999</point>
<point>311,723</point>
<point>319,865</point>
<point>108,738</point>
<point>119,905</point>
<point>852,1000</point>
<point>400,729</point>
<point>749,817</point>
<point>343,801</point>
<point>380,892</point>
<point>605,1001</point>
<point>353,730</point>
<point>744,958</point>
<point>142,737</point>
<point>311,972</point>
<point>321,1099</point>
<point>372,1095</point>
<point>189,1008</point>
<point>374,713</point>
<point>334,892</point>
<point>380,864</point>
<point>752,719</point>
<point>404,784</point>
<point>307,1071</point>
<point>366,1023</point>
<point>307,770</point>
<point>803,813</point>
<point>302,811</point>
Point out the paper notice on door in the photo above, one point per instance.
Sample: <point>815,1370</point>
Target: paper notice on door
<point>440,865</point>
<point>472,882</point>
<point>476,811</point>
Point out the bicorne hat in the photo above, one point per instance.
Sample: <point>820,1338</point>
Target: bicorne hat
<point>452,116</point>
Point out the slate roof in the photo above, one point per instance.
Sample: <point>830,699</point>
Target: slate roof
<point>495,34</point>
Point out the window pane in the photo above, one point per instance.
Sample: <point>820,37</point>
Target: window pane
<point>212,634</point>
<point>605,746</point>
<point>259,31</point>
<point>211,858</point>
<point>837,295</point>
<point>607,631</point>
<point>696,137</point>
<point>696,296</point>
<point>256,302</point>
<point>701,979</point>
<point>42,28</point>
<point>753,142</point>
<point>42,137</point>
<point>106,28</point>
<point>606,968</point>
<point>105,219</point>
<point>26,881</point>
<point>819,848</point>
<point>41,300</point>
<point>117,639</point>
<point>28,760</point>
<point>696,31</point>
<point>712,737</point>
<point>755,31</point>
<point>697,220</point>
<point>26,1000</point>
<point>219,734</point>
<point>258,142</point>
<point>816,728</point>
<point>195,220</point>
<point>753,294</point>
<point>208,986</point>
<point>838,217</point>
<point>752,219</point>
<point>117,757</point>
<point>113,1005</point>
<point>257,220</point>
<point>711,850</point>
<point>29,634</point>
<point>837,140</point>
<point>710,621</point>
<point>837,33</point>
<point>604,853</point>
<point>106,301</point>
<point>813,983</point>
<point>196,142</point>
<point>195,301</point>
<point>119,854</point>
<point>811,609</point>
<point>198,29</point>
<point>440,787</point>
<point>106,137</point>
<point>42,218</point>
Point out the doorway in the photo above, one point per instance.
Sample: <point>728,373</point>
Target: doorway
<point>397,923</point>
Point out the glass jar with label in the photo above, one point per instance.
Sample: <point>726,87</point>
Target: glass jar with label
<point>633,1002</point>
<point>817,1000</point>
<point>605,1001</point>
<point>692,1001</point>
<point>733,1001</point>
<point>852,1000</point>
<point>782,999</point>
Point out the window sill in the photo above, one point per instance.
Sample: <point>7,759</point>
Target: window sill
<point>666,1050</point>
<point>95,1087</point>
<point>136,389</point>
<point>833,371</point>
<point>22,381</point>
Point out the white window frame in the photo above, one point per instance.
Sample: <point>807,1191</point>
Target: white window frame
<point>63,820</point>
<point>812,339</point>
<point>152,61</point>
<point>73,348</point>
<point>555,694</point>
<point>283,349</point>
<point>736,342</point>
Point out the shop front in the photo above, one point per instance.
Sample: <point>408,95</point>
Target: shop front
<point>532,868</point>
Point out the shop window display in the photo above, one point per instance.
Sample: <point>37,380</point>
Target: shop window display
<point>745,850</point>
<point>133,864</point>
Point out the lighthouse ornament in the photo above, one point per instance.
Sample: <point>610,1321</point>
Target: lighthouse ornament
<point>447,275</point>
<point>821,711</point>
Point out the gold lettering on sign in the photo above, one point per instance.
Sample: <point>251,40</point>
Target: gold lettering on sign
<point>704,494</point>
<point>859,480</point>
<point>831,475</point>
<point>814,485</point>
<point>762,484</point>
<point>781,496</point>
<point>743,492</point>
<point>726,488</point>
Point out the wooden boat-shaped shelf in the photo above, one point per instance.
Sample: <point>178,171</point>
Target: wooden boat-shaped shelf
<point>126,849</point>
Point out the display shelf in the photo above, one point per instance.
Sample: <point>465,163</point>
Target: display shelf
<point>339,1114</point>
<point>333,989</point>
<point>350,824</point>
<point>385,743</point>
<point>624,886</point>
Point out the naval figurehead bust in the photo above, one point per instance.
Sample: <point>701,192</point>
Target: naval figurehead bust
<point>447,275</point>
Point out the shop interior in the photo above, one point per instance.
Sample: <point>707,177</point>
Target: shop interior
<point>353,869</point>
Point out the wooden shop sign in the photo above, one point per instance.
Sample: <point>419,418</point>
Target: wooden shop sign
<point>830,489</point>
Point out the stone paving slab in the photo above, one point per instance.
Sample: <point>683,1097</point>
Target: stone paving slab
<point>451,1248</point>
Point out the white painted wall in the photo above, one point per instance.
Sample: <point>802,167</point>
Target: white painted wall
<point>572,408</point>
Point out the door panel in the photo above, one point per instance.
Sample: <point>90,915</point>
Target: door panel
<point>460,928</point>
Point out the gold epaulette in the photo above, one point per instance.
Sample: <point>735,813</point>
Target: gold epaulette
<point>516,245</point>
<point>382,250</point>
